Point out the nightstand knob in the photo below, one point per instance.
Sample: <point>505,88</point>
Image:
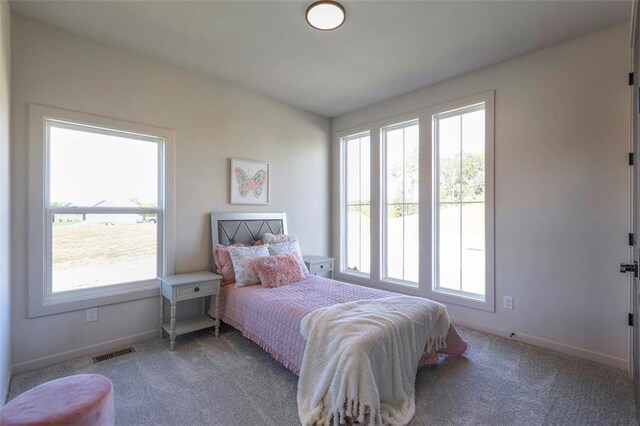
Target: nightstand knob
<point>197,289</point>
<point>321,266</point>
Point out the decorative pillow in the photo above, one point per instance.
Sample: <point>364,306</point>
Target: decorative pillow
<point>289,248</point>
<point>224,266</point>
<point>274,271</point>
<point>241,258</point>
<point>280,238</point>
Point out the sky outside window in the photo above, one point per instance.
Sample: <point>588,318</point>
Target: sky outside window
<point>87,168</point>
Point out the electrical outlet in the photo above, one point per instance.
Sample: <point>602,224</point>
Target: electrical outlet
<point>508,302</point>
<point>92,314</point>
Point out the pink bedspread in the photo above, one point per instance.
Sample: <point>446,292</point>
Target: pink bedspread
<point>271,316</point>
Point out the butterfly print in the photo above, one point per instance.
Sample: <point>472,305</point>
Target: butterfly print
<point>248,185</point>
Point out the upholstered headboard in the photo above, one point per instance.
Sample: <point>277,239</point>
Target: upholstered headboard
<point>244,228</point>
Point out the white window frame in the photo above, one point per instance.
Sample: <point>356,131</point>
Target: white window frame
<point>425,286</point>
<point>42,300</point>
<point>344,203</point>
<point>384,205</point>
<point>486,303</point>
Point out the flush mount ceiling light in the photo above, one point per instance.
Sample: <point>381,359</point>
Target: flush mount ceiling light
<point>325,15</point>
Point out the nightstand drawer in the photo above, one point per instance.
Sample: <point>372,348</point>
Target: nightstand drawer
<point>321,267</point>
<point>192,291</point>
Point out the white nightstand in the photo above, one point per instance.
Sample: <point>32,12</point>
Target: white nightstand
<point>177,288</point>
<point>319,265</point>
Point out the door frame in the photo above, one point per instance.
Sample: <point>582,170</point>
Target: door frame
<point>634,176</point>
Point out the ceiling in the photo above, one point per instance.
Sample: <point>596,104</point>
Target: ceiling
<point>384,49</point>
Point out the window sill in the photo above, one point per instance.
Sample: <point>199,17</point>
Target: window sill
<point>403,288</point>
<point>397,287</point>
<point>354,275</point>
<point>462,299</point>
<point>400,283</point>
<point>90,298</point>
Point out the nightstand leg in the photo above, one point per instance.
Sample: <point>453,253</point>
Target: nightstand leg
<point>161,316</point>
<point>172,334</point>
<point>217,316</point>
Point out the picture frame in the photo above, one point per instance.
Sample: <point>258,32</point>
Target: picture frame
<point>249,182</point>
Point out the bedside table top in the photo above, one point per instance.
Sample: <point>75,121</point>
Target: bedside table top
<point>189,278</point>
<point>315,259</point>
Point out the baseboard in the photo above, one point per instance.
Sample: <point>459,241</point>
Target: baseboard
<point>82,352</point>
<point>620,363</point>
<point>547,344</point>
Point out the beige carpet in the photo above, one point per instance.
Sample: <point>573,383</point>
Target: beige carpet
<point>231,381</point>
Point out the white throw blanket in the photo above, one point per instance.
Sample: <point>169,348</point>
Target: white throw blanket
<point>366,354</point>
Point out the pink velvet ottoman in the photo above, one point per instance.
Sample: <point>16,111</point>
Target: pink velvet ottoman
<point>85,399</point>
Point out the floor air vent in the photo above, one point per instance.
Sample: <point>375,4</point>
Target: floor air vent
<point>111,355</point>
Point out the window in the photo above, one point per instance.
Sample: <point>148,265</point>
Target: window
<point>357,160</point>
<point>103,222</point>
<point>415,197</point>
<point>459,201</point>
<point>104,206</point>
<point>401,152</point>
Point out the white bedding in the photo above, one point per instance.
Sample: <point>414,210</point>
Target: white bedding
<point>366,354</point>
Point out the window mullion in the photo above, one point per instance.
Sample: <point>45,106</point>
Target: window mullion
<point>344,201</point>
<point>48,255</point>
<point>461,199</point>
<point>376,214</point>
<point>404,197</point>
<point>435,255</point>
<point>360,203</point>
<point>161,225</point>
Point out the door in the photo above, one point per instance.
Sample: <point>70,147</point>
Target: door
<point>634,367</point>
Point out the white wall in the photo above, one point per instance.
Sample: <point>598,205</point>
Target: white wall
<point>213,122</point>
<point>5,299</point>
<point>562,191</point>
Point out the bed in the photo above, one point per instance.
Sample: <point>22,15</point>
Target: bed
<point>271,317</point>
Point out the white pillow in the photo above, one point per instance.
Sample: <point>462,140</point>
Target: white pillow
<point>241,258</point>
<point>291,247</point>
<point>280,238</point>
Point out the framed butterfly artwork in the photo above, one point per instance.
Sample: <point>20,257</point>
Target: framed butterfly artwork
<point>249,182</point>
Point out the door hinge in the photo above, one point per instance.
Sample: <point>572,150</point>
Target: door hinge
<point>630,267</point>
<point>631,79</point>
<point>631,239</point>
<point>631,159</point>
<point>630,320</point>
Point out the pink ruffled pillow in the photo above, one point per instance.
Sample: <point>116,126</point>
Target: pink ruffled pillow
<point>224,266</point>
<point>275,271</point>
